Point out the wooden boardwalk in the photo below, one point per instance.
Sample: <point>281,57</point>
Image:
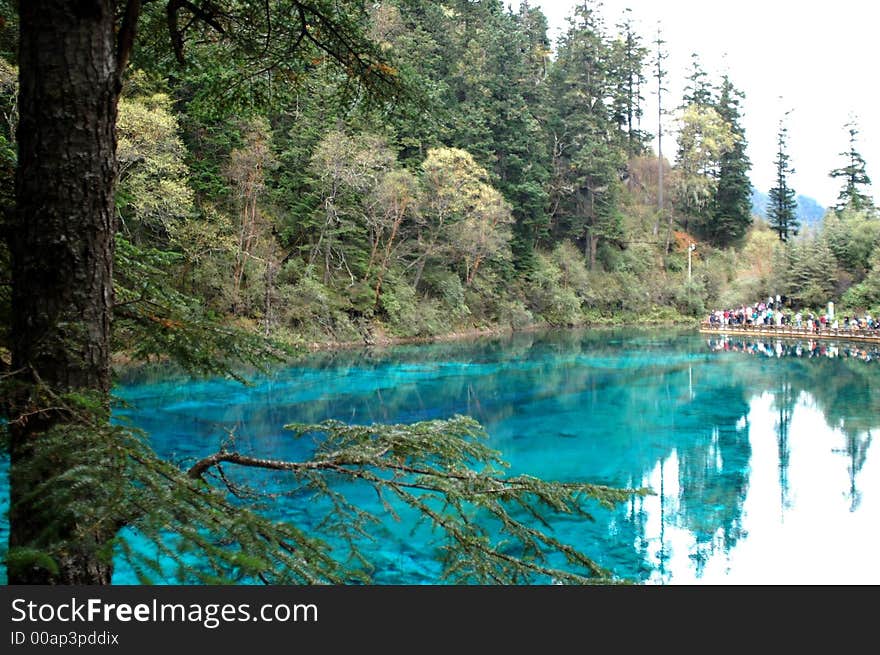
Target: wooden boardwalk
<point>791,332</point>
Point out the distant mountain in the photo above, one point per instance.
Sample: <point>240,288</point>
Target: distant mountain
<point>810,212</point>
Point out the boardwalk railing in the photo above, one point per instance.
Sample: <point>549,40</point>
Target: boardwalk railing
<point>793,332</point>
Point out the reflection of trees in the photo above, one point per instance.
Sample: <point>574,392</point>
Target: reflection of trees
<point>627,393</point>
<point>850,398</point>
<point>784,400</point>
<point>713,479</point>
<point>857,450</point>
<point>847,394</point>
<point>840,377</point>
<point>671,400</point>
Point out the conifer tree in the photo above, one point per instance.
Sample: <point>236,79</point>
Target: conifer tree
<point>521,159</point>
<point>588,157</point>
<point>782,208</point>
<point>731,209</point>
<point>855,177</point>
<point>660,74</point>
<point>488,72</point>
<point>704,136</point>
<point>62,250</point>
<point>77,478</point>
<point>627,61</point>
<point>698,90</point>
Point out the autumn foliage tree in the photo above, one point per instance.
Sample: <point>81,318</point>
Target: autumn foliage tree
<point>247,170</point>
<point>463,216</point>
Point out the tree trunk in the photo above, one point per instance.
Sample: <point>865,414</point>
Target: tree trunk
<point>61,244</point>
<point>386,257</point>
<point>429,250</point>
<point>594,248</point>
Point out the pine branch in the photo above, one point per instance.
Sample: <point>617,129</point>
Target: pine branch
<point>438,460</point>
<point>205,527</point>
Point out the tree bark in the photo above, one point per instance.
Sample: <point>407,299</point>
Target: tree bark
<point>61,245</point>
<point>594,249</point>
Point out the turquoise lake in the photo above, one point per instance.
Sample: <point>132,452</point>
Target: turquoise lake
<point>760,455</point>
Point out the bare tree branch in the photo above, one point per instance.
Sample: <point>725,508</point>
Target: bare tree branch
<point>206,16</point>
<point>125,38</point>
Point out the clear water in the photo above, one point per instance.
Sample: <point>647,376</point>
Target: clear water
<point>760,454</point>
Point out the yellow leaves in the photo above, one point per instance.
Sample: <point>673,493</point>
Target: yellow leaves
<point>355,162</point>
<point>455,183</point>
<point>152,170</point>
<point>8,74</point>
<point>704,136</point>
<point>395,197</point>
<point>384,69</point>
<point>248,164</point>
<point>452,168</point>
<point>459,200</point>
<point>166,323</point>
<point>146,127</point>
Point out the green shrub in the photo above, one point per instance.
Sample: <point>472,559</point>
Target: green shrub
<point>515,314</point>
<point>408,314</point>
<point>690,300</point>
<point>446,286</point>
<point>572,267</point>
<point>547,298</point>
<point>316,312</point>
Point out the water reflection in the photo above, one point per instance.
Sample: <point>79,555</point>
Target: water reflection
<point>802,499</point>
<point>795,348</point>
<point>795,529</point>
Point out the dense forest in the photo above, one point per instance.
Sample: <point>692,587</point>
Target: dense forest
<point>346,172</point>
<point>502,183</point>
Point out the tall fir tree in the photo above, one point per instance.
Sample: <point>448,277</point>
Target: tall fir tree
<point>588,158</point>
<point>732,207</point>
<point>697,90</point>
<point>522,160</point>
<point>854,175</point>
<point>76,477</point>
<point>628,57</point>
<point>782,206</point>
<point>660,74</point>
<point>489,84</point>
<point>67,468</point>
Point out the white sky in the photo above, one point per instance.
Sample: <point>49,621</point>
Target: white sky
<point>817,58</point>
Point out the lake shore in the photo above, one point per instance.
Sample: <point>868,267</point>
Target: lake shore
<point>123,362</point>
<point>380,338</point>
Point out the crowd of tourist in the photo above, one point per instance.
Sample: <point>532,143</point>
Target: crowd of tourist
<point>772,312</point>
